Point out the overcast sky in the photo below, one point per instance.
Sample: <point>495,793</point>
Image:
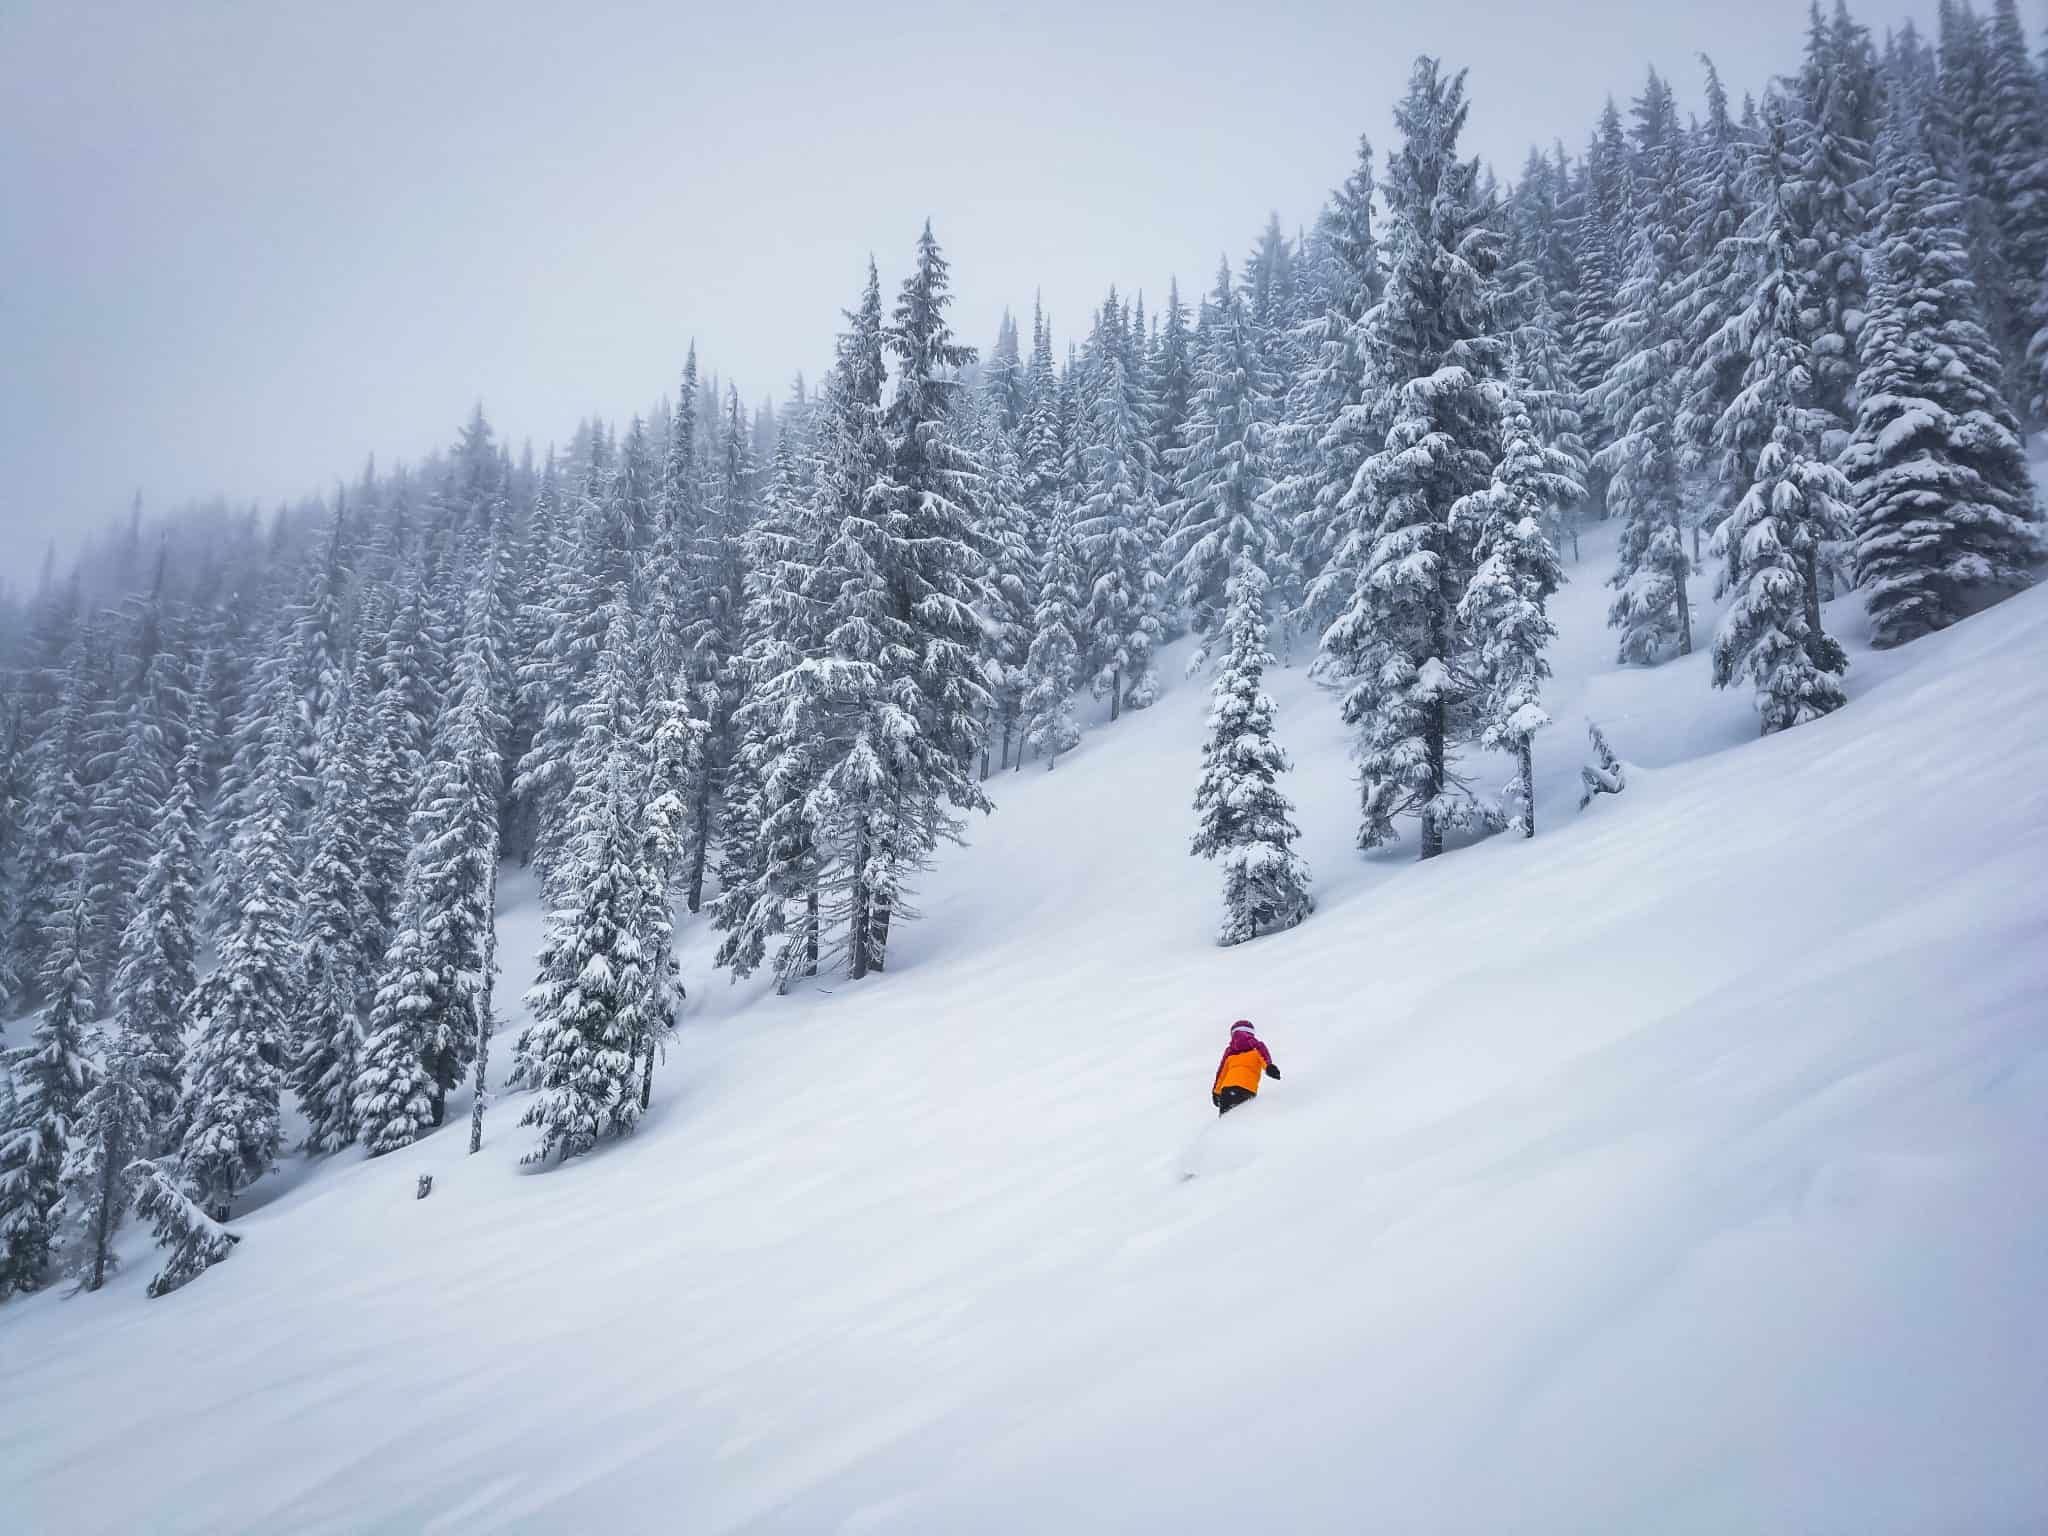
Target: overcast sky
<point>244,244</point>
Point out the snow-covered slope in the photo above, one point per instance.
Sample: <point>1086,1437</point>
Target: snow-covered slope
<point>1682,1170</point>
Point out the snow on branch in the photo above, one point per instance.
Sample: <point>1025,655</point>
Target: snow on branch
<point>1604,775</point>
<point>196,1241</point>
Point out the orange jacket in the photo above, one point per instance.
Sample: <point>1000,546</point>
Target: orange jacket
<point>1241,1069</point>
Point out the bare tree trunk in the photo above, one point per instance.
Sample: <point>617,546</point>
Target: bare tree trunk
<point>857,909</point>
<point>1433,753</point>
<point>1684,611</point>
<point>1433,741</point>
<point>1526,751</point>
<point>103,1219</point>
<point>1116,694</point>
<point>483,1018</point>
<point>700,843</point>
<point>1810,560</point>
<point>879,927</point>
<point>811,931</point>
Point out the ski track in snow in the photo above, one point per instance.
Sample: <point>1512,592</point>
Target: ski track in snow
<point>1682,1171</point>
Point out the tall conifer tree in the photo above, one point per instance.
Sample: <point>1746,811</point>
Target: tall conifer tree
<point>1435,346</point>
<point>1943,506</point>
<point>1241,816</point>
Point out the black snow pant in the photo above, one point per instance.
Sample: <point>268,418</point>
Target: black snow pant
<point>1230,1098</point>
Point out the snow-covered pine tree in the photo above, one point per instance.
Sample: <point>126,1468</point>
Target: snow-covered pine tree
<point>204,708</point>
<point>2013,130</point>
<point>415,657</point>
<point>159,956</point>
<point>1044,474</point>
<point>1711,286</point>
<point>533,671</point>
<point>667,746</point>
<point>455,838</point>
<point>321,649</point>
<point>326,1025</point>
<point>1004,378</point>
<point>228,1118</point>
<point>1010,588</point>
<point>817,616</point>
<point>1597,231</point>
<point>590,1001</point>
<point>580,1051</point>
<point>1269,289</point>
<point>393,1101</point>
<point>1540,238</point>
<point>55,818</point>
<point>1240,814</point>
<point>196,1240</point>
<point>486,1017</point>
<point>1797,500</point>
<point>1171,381</point>
<point>152,705</point>
<point>1331,424</point>
<point>1641,401</point>
<point>681,505</point>
<point>917,772</point>
<point>245,724</point>
<point>1434,343</point>
<point>1503,610</point>
<point>594,560</point>
<point>1049,667</point>
<point>50,630</point>
<point>1553,404</point>
<point>1909,65</point>
<point>470,489</point>
<point>389,779</point>
<point>767,429</point>
<point>786,725</point>
<point>1955,114</point>
<point>13,802</point>
<point>1944,508</point>
<point>424,1025</point>
<point>51,1076</point>
<point>113,1129</point>
<point>716,635</point>
<point>218,695</point>
<point>1223,466</point>
<point>674,735</point>
<point>1830,148</point>
<point>861,621</point>
<point>1118,618</point>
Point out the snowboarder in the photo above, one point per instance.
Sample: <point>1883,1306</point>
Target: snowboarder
<point>1237,1075</point>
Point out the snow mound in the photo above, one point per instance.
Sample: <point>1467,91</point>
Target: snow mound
<point>1681,1170</point>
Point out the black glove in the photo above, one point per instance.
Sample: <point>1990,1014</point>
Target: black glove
<point>1216,1099</point>
<point>1273,1072</point>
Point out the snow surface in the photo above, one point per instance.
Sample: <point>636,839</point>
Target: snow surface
<point>1683,1170</point>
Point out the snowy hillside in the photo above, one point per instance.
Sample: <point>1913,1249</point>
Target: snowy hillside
<point>1681,1172</point>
